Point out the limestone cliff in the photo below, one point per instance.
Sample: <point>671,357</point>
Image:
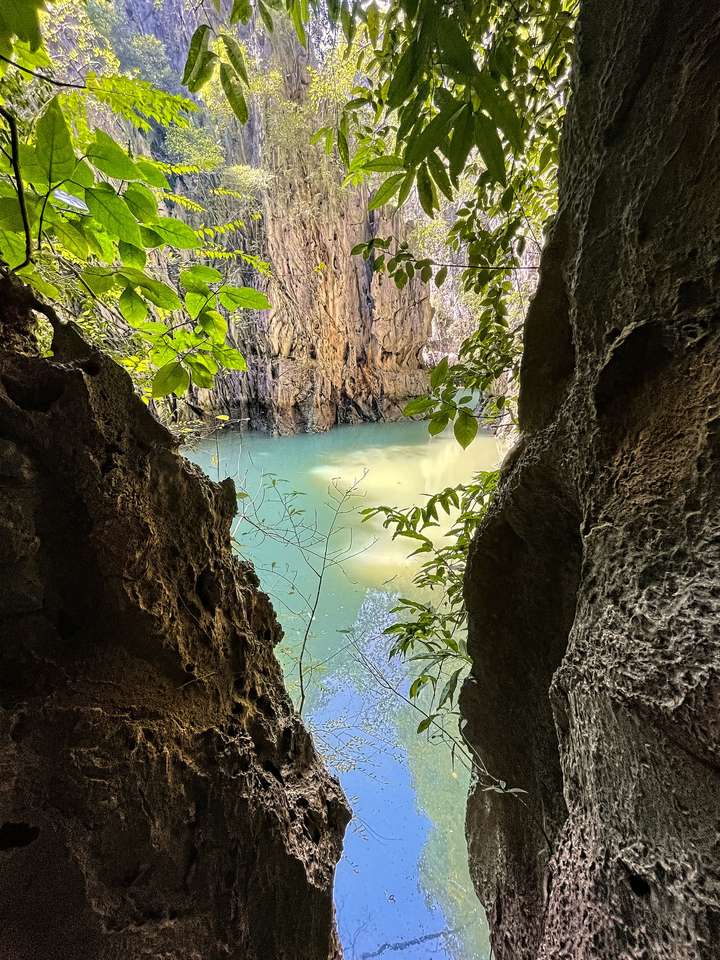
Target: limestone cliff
<point>159,797</point>
<point>341,344</point>
<point>593,586</point>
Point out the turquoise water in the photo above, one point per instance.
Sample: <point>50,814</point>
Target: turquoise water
<point>402,887</point>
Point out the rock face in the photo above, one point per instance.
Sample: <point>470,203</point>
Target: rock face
<point>341,344</point>
<point>159,797</point>
<point>593,586</point>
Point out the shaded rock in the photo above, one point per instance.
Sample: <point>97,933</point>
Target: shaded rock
<point>155,782</point>
<point>593,585</point>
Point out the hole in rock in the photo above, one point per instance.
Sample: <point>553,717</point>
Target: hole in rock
<point>13,835</point>
<point>639,885</point>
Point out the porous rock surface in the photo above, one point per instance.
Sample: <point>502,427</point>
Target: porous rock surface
<point>594,586</point>
<point>159,797</point>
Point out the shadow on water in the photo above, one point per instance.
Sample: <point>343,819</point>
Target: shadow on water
<point>402,887</point>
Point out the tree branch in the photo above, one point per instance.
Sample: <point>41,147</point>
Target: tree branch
<point>42,76</point>
<point>15,159</point>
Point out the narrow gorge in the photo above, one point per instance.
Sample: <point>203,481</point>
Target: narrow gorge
<point>286,674</point>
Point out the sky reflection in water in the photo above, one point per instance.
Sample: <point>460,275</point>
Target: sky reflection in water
<point>402,888</point>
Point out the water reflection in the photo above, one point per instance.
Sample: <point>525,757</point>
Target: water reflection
<point>402,887</point>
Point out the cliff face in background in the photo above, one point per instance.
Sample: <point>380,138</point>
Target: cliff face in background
<point>593,586</point>
<point>158,794</point>
<point>340,344</point>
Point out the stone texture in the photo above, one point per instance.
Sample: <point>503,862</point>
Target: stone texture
<point>593,588</point>
<point>159,797</point>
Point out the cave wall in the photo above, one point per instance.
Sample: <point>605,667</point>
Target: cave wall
<point>159,796</point>
<point>593,587</point>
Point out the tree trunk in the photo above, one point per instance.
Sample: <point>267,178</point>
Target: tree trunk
<point>159,797</point>
<point>593,585</point>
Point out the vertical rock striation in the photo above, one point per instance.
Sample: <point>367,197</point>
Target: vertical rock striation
<point>593,587</point>
<point>159,797</point>
<point>341,344</point>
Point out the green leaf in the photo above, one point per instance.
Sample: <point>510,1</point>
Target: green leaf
<point>214,325</point>
<point>204,69</point>
<point>83,175</point>
<point>54,148</point>
<point>383,164</point>
<point>112,213</point>
<point>426,192</point>
<point>195,302</point>
<point>243,298</point>
<point>440,276</point>
<point>10,215</point>
<point>176,233</point>
<point>455,50</point>
<point>172,378</point>
<point>448,691</point>
<point>236,57</point>
<point>72,238</point>
<point>265,16</point>
<point>234,93</point>
<point>439,174</point>
<point>438,423</point>
<point>132,307</point>
<point>99,279</point>
<point>21,18</point>
<point>131,255</point>
<point>418,406</point>
<point>110,158</point>
<point>466,427</point>
<point>156,292</point>
<point>439,373</point>
<point>405,75</point>
<point>152,173</point>
<point>424,724</point>
<point>141,201</point>
<point>241,11</point>
<point>295,11</point>
<point>198,45</point>
<point>230,358</point>
<point>150,238</point>
<point>406,187</point>
<point>386,191</point>
<point>201,376</point>
<point>461,143</point>
<point>497,104</point>
<point>434,133</point>
<point>198,277</point>
<point>343,147</point>
<point>490,147</point>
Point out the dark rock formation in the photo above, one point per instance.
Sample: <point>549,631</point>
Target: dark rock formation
<point>593,587</point>
<point>159,797</point>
